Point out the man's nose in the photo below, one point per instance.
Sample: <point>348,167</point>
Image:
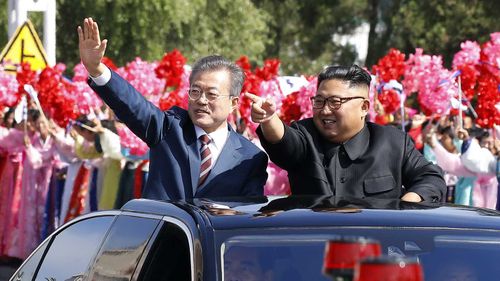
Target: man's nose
<point>203,99</point>
<point>326,109</point>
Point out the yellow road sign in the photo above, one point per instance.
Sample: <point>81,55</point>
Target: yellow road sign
<point>24,46</point>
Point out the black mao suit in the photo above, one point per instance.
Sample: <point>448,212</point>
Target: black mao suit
<point>380,162</point>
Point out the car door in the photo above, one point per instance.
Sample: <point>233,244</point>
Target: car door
<point>145,247</point>
<point>170,254</point>
<point>115,246</point>
<point>127,241</point>
<point>67,253</point>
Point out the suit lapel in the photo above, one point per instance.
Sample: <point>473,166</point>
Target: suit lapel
<point>193,157</point>
<point>228,158</point>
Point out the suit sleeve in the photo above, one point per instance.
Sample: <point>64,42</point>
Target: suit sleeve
<point>141,116</point>
<point>421,176</point>
<point>258,176</point>
<point>290,151</point>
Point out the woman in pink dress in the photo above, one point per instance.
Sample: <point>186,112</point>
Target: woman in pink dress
<point>12,141</point>
<point>37,173</point>
<point>23,233</point>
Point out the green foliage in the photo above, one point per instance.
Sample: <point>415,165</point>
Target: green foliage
<point>439,26</point>
<point>228,27</point>
<point>4,25</point>
<point>302,34</point>
<point>150,28</point>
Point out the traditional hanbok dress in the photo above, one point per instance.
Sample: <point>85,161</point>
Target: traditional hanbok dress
<point>12,181</point>
<point>77,196</point>
<point>482,161</point>
<point>451,163</point>
<point>111,168</point>
<point>107,159</point>
<point>66,147</point>
<point>41,159</point>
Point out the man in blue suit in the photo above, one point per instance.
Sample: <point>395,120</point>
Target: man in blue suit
<point>193,153</point>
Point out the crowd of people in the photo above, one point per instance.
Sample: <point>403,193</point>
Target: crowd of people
<point>49,175</point>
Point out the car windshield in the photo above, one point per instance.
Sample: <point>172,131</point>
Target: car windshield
<point>445,254</point>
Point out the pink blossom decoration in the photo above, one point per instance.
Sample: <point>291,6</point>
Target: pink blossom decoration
<point>141,74</point>
<point>8,88</point>
<point>304,97</point>
<point>131,142</point>
<point>468,55</point>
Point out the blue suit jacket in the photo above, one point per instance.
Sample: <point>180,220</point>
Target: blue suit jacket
<point>240,169</point>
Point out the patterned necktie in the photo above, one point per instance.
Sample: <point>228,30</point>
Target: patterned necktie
<point>206,159</point>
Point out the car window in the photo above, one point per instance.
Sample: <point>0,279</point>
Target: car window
<point>169,257</point>
<point>278,258</point>
<point>27,270</point>
<point>73,249</point>
<point>123,247</point>
<point>279,255</point>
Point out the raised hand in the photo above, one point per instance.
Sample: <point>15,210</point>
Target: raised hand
<point>462,133</point>
<point>91,47</point>
<point>262,109</point>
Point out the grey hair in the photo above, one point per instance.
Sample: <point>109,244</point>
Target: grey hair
<point>214,63</point>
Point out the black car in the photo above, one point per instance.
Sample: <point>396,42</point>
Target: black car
<point>279,238</point>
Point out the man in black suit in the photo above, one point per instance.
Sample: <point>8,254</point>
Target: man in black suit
<point>336,152</point>
<point>194,152</point>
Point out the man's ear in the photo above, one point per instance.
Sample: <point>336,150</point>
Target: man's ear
<point>234,103</point>
<point>365,107</point>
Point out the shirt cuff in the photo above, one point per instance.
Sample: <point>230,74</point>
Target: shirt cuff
<point>465,145</point>
<point>102,79</point>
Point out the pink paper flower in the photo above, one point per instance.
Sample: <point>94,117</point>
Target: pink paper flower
<point>8,88</point>
<point>468,55</point>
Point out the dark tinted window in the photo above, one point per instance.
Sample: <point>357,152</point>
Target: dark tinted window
<point>169,258</point>
<point>123,248</point>
<point>297,254</point>
<point>27,271</point>
<point>74,249</point>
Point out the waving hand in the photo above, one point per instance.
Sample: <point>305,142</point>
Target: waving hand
<point>91,47</point>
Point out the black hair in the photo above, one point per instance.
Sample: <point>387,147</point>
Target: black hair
<point>83,120</point>
<point>7,114</point>
<point>33,115</point>
<point>482,134</point>
<point>448,130</point>
<point>110,125</point>
<point>354,75</point>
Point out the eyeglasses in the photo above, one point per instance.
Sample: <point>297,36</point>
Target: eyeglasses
<point>195,94</point>
<point>333,102</point>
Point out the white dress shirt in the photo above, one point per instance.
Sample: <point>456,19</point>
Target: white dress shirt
<point>219,138</point>
<point>102,79</point>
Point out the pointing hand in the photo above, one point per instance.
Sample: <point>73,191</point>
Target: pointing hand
<point>262,109</point>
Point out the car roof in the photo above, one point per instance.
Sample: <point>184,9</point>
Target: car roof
<point>322,211</point>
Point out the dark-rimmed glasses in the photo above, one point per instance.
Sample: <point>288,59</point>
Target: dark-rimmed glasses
<point>195,94</point>
<point>333,102</point>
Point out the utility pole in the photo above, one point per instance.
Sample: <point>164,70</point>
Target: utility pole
<point>18,14</point>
